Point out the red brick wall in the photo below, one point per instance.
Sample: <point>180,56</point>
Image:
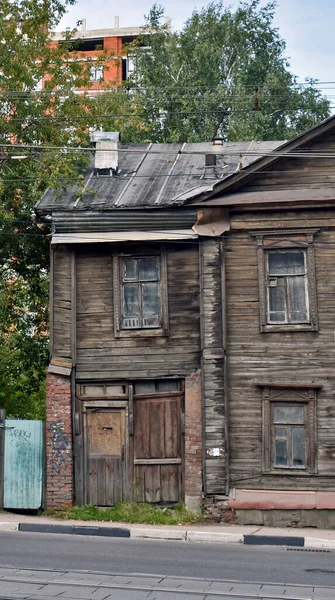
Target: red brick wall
<point>59,465</point>
<point>193,441</point>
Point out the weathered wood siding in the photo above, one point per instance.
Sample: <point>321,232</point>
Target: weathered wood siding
<point>102,356</point>
<point>294,173</point>
<point>287,357</point>
<point>213,365</point>
<point>60,302</point>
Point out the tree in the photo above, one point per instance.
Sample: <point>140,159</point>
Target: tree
<point>225,72</point>
<point>30,116</point>
<point>35,126</point>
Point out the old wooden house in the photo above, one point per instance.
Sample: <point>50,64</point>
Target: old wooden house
<point>193,329</point>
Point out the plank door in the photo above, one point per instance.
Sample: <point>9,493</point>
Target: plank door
<point>106,456</point>
<point>157,450</point>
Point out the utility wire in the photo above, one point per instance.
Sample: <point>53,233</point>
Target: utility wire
<point>126,87</point>
<point>129,176</point>
<point>206,112</point>
<point>174,152</point>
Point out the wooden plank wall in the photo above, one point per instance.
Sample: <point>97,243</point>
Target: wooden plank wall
<point>295,173</point>
<point>212,366</point>
<point>254,357</point>
<point>101,356</point>
<point>61,302</point>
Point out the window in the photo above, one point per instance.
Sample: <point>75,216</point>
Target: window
<point>287,287</point>
<point>158,386</point>
<point>38,85</point>
<point>128,67</point>
<point>289,429</point>
<point>140,298</point>
<point>289,435</point>
<point>96,73</point>
<point>287,291</point>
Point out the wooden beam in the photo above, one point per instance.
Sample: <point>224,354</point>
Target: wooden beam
<point>272,197</point>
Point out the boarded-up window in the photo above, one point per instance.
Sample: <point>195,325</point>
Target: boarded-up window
<point>289,429</point>
<point>287,286</point>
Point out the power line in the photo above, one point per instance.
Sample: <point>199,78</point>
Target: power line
<point>311,178</point>
<point>126,87</point>
<point>174,152</point>
<point>205,113</point>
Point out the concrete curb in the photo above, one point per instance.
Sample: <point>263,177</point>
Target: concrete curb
<point>273,540</point>
<point>75,529</point>
<point>8,526</point>
<point>308,543</point>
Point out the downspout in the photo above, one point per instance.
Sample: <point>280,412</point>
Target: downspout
<point>225,361</point>
<point>203,415</point>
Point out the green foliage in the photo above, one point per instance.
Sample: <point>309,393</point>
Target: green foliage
<point>201,80</point>
<point>37,118</point>
<point>129,512</point>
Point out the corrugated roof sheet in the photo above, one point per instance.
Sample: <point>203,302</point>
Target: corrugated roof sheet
<point>156,175</point>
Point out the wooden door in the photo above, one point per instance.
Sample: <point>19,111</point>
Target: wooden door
<point>106,456</point>
<point>158,449</point>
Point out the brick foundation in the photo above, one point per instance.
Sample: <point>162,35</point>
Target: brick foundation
<point>193,442</point>
<point>59,467</point>
<point>218,510</point>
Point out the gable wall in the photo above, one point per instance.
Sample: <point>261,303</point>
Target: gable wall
<point>295,173</point>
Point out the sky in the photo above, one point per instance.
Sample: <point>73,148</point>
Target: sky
<point>306,25</point>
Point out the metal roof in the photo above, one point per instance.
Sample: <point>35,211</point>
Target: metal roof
<point>156,176</point>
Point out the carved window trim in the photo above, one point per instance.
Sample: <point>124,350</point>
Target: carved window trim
<point>163,328</point>
<point>287,239</point>
<point>273,395</point>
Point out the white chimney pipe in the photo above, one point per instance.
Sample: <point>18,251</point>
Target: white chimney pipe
<point>106,143</point>
<point>116,22</point>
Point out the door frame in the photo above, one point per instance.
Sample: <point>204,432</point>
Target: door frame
<point>83,403</point>
<point>172,394</point>
<point>105,405</point>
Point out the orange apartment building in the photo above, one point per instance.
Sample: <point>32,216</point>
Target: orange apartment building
<point>95,44</point>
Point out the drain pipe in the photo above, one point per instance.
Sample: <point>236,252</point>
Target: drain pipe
<point>225,360</point>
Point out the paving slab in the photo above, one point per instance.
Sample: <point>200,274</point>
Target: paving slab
<point>144,581</point>
<point>129,595</point>
<point>52,589</point>
<point>301,592</point>
<point>8,587</point>
<point>93,578</point>
<point>81,592</point>
<point>161,595</point>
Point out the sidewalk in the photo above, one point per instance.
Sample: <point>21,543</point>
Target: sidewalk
<point>313,539</point>
<point>41,584</point>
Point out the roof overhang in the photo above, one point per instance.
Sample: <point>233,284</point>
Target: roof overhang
<point>123,236</point>
<point>250,199</point>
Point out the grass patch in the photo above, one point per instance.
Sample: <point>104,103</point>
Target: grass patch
<point>129,512</point>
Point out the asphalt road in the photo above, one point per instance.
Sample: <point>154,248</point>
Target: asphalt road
<point>212,561</point>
